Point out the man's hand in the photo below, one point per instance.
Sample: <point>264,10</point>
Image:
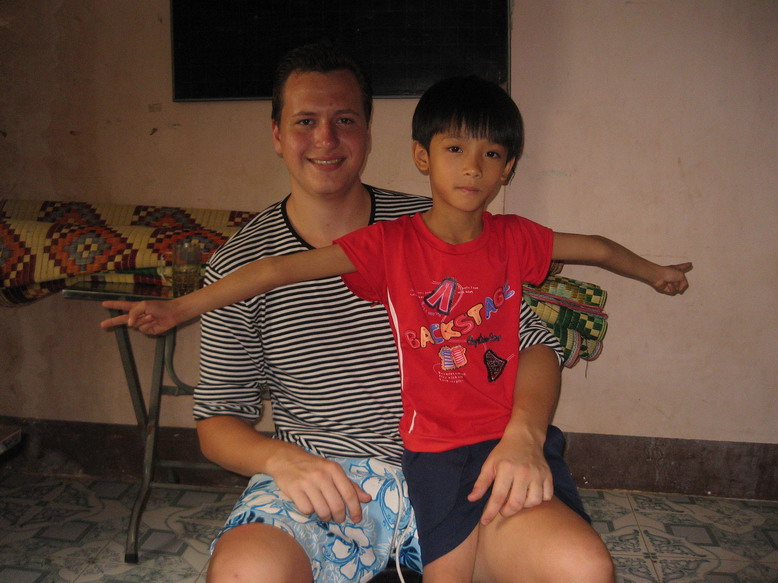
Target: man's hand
<point>519,475</point>
<point>319,486</point>
<point>314,484</point>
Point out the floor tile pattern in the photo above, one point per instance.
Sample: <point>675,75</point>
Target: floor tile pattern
<point>668,538</point>
<point>65,530</point>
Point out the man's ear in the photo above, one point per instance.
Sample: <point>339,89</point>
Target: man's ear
<point>420,157</point>
<point>276,137</point>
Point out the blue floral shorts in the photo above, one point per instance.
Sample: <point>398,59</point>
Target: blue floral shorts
<point>349,551</point>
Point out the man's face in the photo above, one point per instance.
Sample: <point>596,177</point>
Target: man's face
<point>323,135</point>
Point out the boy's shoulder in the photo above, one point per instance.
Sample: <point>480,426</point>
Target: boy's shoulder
<point>509,220</point>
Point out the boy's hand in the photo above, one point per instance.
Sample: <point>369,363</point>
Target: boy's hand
<point>519,475</point>
<point>151,317</point>
<point>672,279</point>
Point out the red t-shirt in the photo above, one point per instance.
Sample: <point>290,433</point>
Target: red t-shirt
<point>454,311</point>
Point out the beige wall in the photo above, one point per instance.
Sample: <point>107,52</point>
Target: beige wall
<point>655,123</point>
<point>651,122</point>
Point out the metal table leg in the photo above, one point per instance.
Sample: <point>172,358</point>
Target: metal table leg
<point>150,449</point>
<point>130,371</point>
<point>147,418</point>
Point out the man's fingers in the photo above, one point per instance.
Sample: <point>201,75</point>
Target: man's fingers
<point>301,501</point>
<point>328,493</point>
<point>328,505</point>
<point>350,495</point>
<point>364,497</point>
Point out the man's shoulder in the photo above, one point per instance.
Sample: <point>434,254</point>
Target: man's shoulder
<point>265,234</point>
<point>390,204</point>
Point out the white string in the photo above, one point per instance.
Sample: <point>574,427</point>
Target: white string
<point>395,539</point>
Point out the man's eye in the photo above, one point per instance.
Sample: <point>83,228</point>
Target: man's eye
<point>305,122</point>
<point>346,121</point>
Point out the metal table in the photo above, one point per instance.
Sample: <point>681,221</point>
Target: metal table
<point>147,417</point>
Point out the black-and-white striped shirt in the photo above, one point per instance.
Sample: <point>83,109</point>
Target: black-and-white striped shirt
<point>327,357</point>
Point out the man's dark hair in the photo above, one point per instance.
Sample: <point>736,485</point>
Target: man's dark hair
<point>317,58</point>
<point>477,107</point>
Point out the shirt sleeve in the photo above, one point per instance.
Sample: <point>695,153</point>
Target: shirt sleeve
<point>533,332</point>
<point>366,249</point>
<point>232,375</point>
<point>535,244</point>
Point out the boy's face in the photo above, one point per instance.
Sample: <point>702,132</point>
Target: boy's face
<point>322,135</point>
<point>465,172</point>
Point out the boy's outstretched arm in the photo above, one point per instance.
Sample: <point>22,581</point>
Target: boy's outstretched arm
<point>602,252</point>
<point>257,277</point>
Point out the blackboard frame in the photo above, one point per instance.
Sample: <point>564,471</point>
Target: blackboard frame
<point>227,50</point>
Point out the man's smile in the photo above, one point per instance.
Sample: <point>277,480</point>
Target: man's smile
<point>326,162</point>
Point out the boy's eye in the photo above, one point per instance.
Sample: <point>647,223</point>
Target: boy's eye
<point>455,149</point>
<point>493,155</point>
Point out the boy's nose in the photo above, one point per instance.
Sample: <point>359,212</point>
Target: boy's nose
<point>472,167</point>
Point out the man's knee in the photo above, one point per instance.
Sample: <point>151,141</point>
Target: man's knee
<point>254,552</point>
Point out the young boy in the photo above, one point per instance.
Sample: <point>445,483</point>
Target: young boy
<point>450,280</point>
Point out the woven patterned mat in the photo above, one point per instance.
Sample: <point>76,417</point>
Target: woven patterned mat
<point>573,311</point>
<point>48,245</point>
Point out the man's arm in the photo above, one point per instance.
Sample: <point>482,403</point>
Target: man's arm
<point>602,252</point>
<point>227,402</point>
<point>314,484</point>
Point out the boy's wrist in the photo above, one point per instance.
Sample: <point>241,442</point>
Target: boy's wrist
<point>521,428</point>
<point>179,309</point>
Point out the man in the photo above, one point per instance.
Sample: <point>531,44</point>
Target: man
<point>327,501</point>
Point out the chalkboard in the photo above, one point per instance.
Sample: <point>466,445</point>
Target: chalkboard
<point>228,50</point>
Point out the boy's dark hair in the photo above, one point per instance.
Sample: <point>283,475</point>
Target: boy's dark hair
<point>478,107</point>
<point>317,58</point>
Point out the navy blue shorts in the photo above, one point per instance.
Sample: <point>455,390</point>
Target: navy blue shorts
<point>438,485</point>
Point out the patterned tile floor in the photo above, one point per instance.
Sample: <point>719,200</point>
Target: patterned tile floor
<point>57,530</point>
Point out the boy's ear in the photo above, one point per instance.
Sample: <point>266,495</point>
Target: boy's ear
<point>420,157</point>
<point>507,172</point>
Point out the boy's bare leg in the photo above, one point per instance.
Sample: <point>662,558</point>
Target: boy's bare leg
<point>258,552</point>
<point>544,544</point>
<point>456,566</point>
